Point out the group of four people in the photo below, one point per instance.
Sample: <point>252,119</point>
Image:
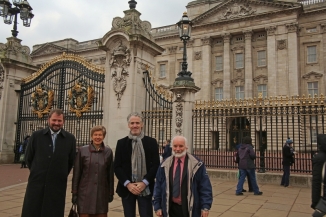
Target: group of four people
<point>179,187</point>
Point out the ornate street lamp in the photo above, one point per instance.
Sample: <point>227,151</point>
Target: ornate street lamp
<point>10,13</point>
<point>184,26</point>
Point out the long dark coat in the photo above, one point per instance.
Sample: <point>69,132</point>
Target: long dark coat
<point>317,170</point>
<point>93,179</point>
<point>122,162</point>
<point>47,183</point>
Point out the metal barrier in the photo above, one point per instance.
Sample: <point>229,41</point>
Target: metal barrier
<point>219,126</point>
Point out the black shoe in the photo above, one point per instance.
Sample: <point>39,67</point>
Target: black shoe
<point>238,194</point>
<point>259,193</point>
<point>243,190</point>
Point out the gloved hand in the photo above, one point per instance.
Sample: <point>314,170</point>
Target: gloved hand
<point>110,198</point>
<point>74,199</point>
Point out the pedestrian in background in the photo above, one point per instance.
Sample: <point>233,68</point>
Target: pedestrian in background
<point>50,155</point>
<point>182,187</point>
<point>288,160</point>
<point>247,166</point>
<point>167,150</point>
<point>317,167</point>
<point>93,176</point>
<point>135,165</point>
<point>22,150</point>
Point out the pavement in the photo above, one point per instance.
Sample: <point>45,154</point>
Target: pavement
<point>276,200</point>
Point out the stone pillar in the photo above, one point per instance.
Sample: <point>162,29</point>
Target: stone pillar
<point>15,64</point>
<point>130,50</point>
<point>206,69</point>
<point>248,65</point>
<point>271,61</point>
<point>184,101</point>
<point>293,52</point>
<point>226,67</point>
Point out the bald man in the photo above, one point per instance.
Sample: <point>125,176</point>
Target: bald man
<point>171,188</point>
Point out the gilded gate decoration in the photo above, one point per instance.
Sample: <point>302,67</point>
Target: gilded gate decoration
<point>81,97</point>
<point>42,100</point>
<point>67,82</point>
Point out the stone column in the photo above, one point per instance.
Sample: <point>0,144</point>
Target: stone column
<point>15,64</point>
<point>248,65</point>
<point>184,101</point>
<point>293,52</point>
<point>206,67</point>
<point>226,67</point>
<point>271,61</point>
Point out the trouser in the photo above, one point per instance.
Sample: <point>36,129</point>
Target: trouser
<point>252,177</point>
<point>175,210</point>
<point>144,205</point>
<point>286,176</point>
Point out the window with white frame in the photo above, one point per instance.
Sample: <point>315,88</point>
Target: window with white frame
<point>219,93</point>
<point>239,92</point>
<point>239,60</point>
<point>313,135</point>
<point>313,88</point>
<point>262,88</point>
<point>162,70</point>
<point>312,54</point>
<point>161,134</point>
<point>261,58</point>
<point>218,63</point>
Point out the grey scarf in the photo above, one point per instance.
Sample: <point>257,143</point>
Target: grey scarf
<point>138,161</point>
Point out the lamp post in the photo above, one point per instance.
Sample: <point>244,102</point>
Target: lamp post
<point>10,13</point>
<point>184,26</point>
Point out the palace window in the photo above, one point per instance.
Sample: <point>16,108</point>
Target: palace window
<point>313,135</point>
<point>262,88</point>
<point>219,93</point>
<point>239,60</point>
<point>239,92</point>
<point>162,70</point>
<point>161,135</point>
<point>312,54</point>
<point>219,63</point>
<point>313,88</point>
<point>261,58</point>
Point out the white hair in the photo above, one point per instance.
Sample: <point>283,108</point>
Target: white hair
<point>186,143</point>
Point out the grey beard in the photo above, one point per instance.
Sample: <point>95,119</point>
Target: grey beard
<point>179,155</point>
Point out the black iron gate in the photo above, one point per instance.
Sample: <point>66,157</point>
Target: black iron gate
<point>67,82</point>
<point>158,110</point>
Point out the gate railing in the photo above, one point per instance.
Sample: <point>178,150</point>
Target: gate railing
<point>219,126</point>
<point>158,110</point>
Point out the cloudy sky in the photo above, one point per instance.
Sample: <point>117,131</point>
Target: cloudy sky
<point>87,19</point>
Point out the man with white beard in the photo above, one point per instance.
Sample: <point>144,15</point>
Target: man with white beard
<point>182,177</point>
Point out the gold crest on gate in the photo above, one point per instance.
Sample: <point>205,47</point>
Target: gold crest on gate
<point>42,100</point>
<point>80,97</point>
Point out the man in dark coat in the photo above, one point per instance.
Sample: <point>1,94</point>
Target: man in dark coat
<point>317,167</point>
<point>247,166</point>
<point>135,165</point>
<point>50,156</point>
<point>288,156</point>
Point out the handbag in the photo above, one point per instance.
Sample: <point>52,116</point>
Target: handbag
<point>320,209</point>
<point>73,211</point>
<point>22,158</point>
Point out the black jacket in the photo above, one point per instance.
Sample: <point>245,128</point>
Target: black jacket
<point>47,182</point>
<point>317,167</point>
<point>122,162</point>
<point>287,156</point>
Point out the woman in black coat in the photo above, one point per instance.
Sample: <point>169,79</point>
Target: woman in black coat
<point>317,167</point>
<point>287,162</point>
